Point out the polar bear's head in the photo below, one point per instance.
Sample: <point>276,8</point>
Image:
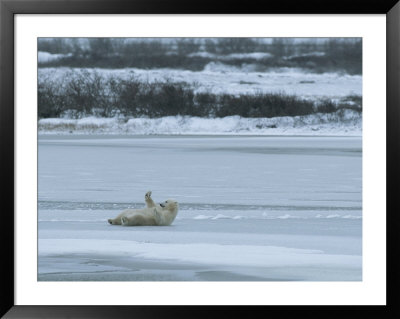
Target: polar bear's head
<point>171,205</point>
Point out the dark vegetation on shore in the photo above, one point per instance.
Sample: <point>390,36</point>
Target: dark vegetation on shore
<point>84,93</point>
<point>332,55</point>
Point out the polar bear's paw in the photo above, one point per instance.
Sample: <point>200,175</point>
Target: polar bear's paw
<point>124,220</point>
<point>148,195</point>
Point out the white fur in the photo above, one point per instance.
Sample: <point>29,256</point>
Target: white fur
<point>153,215</point>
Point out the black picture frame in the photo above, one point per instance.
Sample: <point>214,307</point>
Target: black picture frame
<point>9,8</point>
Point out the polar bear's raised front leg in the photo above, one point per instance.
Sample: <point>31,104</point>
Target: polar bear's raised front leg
<point>149,201</point>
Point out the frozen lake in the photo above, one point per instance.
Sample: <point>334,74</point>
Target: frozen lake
<point>251,208</point>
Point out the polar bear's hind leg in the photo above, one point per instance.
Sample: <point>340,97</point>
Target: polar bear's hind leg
<point>137,220</point>
<point>113,221</point>
<point>124,221</point>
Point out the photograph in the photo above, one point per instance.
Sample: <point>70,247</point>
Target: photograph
<point>230,159</point>
<point>176,159</point>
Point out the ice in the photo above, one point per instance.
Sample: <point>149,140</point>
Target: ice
<point>220,216</point>
<point>202,217</point>
<point>252,208</point>
<point>230,255</point>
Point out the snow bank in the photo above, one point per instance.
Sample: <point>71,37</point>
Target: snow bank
<point>220,78</point>
<point>44,57</point>
<point>251,55</point>
<point>222,67</point>
<point>348,123</point>
<point>310,54</point>
<point>203,54</point>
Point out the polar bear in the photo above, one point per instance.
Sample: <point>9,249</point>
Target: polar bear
<point>153,215</point>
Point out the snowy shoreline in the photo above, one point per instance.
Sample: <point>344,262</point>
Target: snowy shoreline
<point>347,124</point>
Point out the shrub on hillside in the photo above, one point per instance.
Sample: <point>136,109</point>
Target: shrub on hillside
<point>81,93</point>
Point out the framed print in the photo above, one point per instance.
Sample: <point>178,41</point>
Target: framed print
<point>160,158</point>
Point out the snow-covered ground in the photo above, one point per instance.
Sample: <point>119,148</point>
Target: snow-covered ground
<point>48,57</point>
<point>251,208</point>
<point>252,55</point>
<point>220,78</point>
<point>347,123</point>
